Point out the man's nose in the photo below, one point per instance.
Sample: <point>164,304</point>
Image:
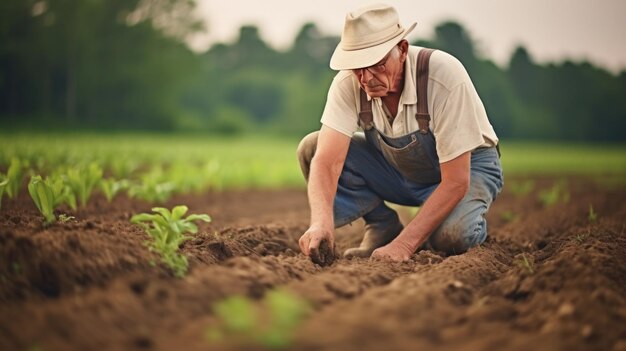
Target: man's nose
<point>366,76</point>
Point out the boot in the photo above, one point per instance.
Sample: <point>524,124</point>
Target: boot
<point>377,234</point>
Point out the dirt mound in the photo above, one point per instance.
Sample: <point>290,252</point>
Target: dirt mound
<point>549,277</point>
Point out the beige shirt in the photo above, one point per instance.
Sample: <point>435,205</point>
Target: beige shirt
<point>458,118</point>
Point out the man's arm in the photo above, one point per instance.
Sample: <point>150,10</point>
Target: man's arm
<point>326,166</point>
<point>455,180</point>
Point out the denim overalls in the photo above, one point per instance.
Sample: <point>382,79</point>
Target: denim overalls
<point>405,170</point>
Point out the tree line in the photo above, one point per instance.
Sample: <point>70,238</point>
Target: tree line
<point>124,65</point>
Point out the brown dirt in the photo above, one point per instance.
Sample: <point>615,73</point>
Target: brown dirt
<point>546,279</point>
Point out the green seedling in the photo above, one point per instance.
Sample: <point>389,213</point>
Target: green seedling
<point>50,194</point>
<point>123,167</point>
<point>167,230</point>
<point>286,312</point>
<point>43,195</point>
<point>580,237</point>
<point>271,324</point>
<point>63,218</point>
<point>155,186</point>
<point>14,176</point>
<point>82,181</point>
<point>508,216</point>
<point>525,264</point>
<point>110,187</point>
<point>593,216</point>
<point>3,184</point>
<point>152,191</point>
<point>557,193</point>
<point>522,188</point>
<point>63,192</point>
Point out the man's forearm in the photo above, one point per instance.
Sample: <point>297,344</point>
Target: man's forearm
<point>321,191</point>
<point>434,211</point>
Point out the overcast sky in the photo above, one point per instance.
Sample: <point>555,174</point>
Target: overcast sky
<point>550,29</point>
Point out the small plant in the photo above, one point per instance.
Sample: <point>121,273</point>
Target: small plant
<point>521,188</point>
<point>50,194</point>
<point>82,180</point>
<point>14,177</point>
<point>152,191</point>
<point>42,194</point>
<point>525,264</point>
<point>154,186</point>
<point>63,193</point>
<point>63,218</point>
<point>580,237</point>
<point>110,187</point>
<point>271,325</point>
<point>167,230</point>
<point>557,193</point>
<point>508,216</point>
<point>3,184</point>
<point>592,217</point>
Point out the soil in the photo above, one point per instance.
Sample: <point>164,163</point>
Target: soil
<point>547,278</point>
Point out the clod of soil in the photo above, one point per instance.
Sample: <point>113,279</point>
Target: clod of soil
<point>324,255</point>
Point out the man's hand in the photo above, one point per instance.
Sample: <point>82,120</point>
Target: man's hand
<point>310,244</point>
<point>394,251</point>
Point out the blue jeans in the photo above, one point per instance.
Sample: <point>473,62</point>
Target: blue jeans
<point>367,180</point>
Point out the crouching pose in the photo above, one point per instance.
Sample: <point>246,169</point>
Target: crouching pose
<point>402,124</point>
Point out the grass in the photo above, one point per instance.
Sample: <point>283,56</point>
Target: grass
<point>238,162</point>
<point>562,158</point>
<point>268,161</point>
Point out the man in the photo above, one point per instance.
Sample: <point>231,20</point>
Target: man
<point>433,147</point>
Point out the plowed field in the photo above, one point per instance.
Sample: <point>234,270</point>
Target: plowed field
<point>549,277</point>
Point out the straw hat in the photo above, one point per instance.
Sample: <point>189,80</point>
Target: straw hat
<point>369,33</point>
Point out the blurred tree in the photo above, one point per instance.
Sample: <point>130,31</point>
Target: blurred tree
<point>95,62</point>
<point>124,64</point>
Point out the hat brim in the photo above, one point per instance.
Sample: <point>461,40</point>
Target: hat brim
<point>353,59</point>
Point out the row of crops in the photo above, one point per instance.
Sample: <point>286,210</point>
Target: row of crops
<point>62,173</point>
<point>66,171</point>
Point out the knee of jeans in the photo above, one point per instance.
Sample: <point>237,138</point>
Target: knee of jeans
<point>457,237</point>
<point>306,151</point>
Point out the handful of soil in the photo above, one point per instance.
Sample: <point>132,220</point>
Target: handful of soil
<point>324,255</point>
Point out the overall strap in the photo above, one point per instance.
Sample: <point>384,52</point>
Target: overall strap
<point>422,116</point>
<point>366,119</point>
<point>365,114</point>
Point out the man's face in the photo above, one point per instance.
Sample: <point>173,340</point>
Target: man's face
<point>386,76</point>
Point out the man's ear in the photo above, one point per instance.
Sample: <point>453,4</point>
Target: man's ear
<point>403,45</point>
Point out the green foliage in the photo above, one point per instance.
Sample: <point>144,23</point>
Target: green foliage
<point>271,325</point>
<point>168,231</point>
<point>14,177</point>
<point>49,194</point>
<point>44,197</point>
<point>521,188</point>
<point>63,192</point>
<point>110,187</point>
<point>286,312</point>
<point>83,179</point>
<point>557,193</point>
<point>593,216</point>
<point>508,216</point>
<point>154,186</point>
<point>3,184</point>
<point>125,65</point>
